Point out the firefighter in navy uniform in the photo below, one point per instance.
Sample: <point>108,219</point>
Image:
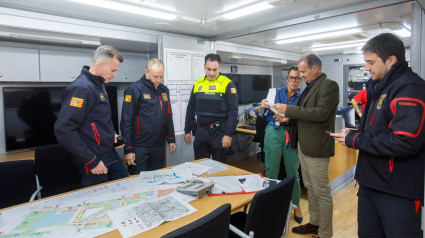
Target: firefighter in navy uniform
<point>147,120</point>
<point>391,144</point>
<point>214,101</point>
<point>84,126</point>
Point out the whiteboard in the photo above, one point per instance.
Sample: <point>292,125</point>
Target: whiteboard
<point>182,70</point>
<point>178,66</point>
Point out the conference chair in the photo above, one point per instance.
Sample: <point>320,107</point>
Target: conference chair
<point>55,171</point>
<point>213,225</point>
<point>268,213</point>
<point>18,182</point>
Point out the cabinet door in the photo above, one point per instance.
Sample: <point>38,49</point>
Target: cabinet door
<point>62,66</point>
<point>132,68</point>
<point>19,65</point>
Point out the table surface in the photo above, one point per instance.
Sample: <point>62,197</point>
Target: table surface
<point>245,131</point>
<point>204,206</point>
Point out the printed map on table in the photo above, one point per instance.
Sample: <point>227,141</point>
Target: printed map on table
<point>81,214</point>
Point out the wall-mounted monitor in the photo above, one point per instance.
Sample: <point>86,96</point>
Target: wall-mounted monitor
<point>30,114</point>
<point>251,88</point>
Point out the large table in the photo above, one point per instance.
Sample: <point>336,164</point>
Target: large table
<point>204,206</point>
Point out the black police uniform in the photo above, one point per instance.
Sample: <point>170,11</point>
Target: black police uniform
<point>146,121</point>
<point>215,104</point>
<point>84,127</point>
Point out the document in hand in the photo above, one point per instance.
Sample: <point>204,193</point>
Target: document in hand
<point>142,216</point>
<point>270,98</point>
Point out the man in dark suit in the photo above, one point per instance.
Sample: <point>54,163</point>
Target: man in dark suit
<point>314,114</point>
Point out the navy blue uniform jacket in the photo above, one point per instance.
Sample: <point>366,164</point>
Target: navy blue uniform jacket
<point>84,126</point>
<point>146,117</point>
<point>391,137</point>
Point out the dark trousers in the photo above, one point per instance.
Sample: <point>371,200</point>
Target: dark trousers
<point>148,158</point>
<point>384,215</point>
<point>116,170</point>
<point>207,144</point>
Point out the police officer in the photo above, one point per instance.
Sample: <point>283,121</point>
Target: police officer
<point>147,120</point>
<point>84,126</point>
<point>215,103</point>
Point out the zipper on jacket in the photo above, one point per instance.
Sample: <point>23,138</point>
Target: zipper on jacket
<point>96,133</point>
<point>391,164</point>
<point>160,101</point>
<point>138,125</point>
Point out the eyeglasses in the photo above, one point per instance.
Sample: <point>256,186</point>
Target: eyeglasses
<point>292,79</point>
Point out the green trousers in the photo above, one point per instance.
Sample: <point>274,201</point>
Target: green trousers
<point>274,147</point>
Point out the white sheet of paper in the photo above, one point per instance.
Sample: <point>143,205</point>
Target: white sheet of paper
<point>216,166</point>
<point>164,176</point>
<point>197,169</point>
<point>142,216</point>
<point>251,182</point>
<point>270,98</point>
<point>225,184</point>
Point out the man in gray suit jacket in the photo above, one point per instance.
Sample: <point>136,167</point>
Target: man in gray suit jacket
<point>314,114</point>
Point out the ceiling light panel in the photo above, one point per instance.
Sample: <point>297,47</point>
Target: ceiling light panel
<point>128,8</point>
<point>246,10</point>
<point>319,36</point>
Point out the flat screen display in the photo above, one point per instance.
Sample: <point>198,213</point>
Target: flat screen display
<point>30,114</point>
<point>251,88</point>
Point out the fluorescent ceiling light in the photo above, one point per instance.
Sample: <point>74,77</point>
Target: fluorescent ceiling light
<point>247,10</point>
<point>403,32</point>
<point>319,36</point>
<point>345,45</point>
<point>54,39</point>
<point>128,8</point>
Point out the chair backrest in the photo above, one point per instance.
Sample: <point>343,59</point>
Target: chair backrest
<point>268,210</point>
<point>55,171</point>
<point>213,225</point>
<point>17,182</point>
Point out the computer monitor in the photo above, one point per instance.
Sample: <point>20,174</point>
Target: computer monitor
<point>348,115</point>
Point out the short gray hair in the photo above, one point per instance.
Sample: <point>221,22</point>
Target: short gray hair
<point>106,52</point>
<point>152,62</point>
<point>311,60</point>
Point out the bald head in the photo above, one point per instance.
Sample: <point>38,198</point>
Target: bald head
<point>155,71</point>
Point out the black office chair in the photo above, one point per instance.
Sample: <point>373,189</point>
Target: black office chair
<point>17,182</point>
<point>268,212</point>
<point>55,171</point>
<point>213,225</point>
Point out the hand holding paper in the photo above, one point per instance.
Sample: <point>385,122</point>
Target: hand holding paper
<point>270,99</point>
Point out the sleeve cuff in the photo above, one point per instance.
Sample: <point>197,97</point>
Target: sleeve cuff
<point>128,150</point>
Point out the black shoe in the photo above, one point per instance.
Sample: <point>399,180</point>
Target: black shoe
<point>306,229</point>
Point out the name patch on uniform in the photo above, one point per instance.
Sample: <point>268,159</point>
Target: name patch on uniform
<point>164,97</point>
<point>233,90</point>
<point>146,96</point>
<point>212,87</point>
<point>102,97</point>
<point>380,101</point>
<point>76,102</point>
<point>127,98</point>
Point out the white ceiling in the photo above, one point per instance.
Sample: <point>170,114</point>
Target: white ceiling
<point>258,29</point>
